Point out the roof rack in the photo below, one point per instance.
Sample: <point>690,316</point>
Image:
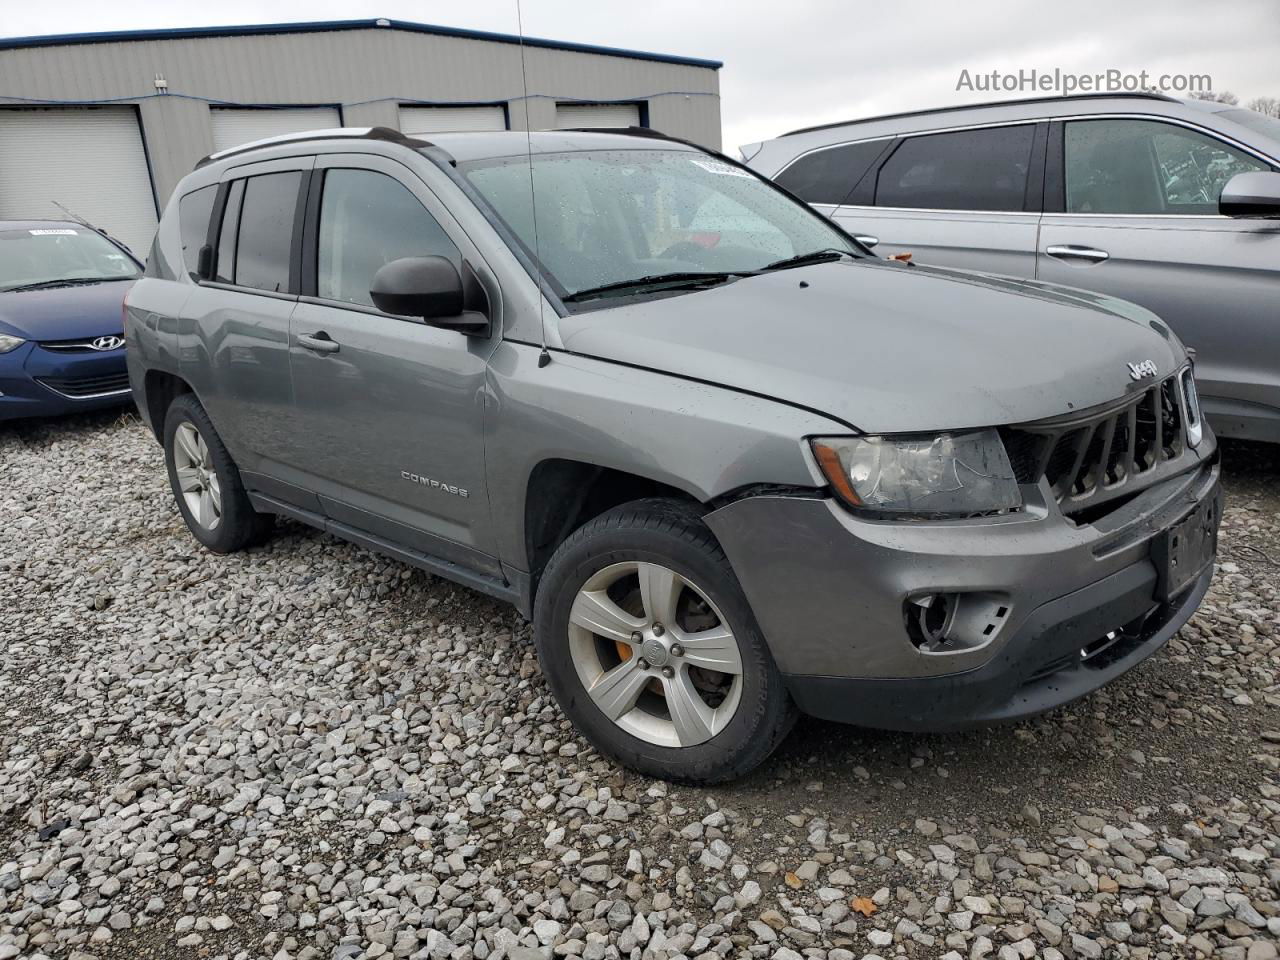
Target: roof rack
<point>980,106</point>
<point>385,134</point>
<point>632,131</point>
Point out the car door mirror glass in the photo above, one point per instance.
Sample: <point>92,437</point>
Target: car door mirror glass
<point>1255,194</point>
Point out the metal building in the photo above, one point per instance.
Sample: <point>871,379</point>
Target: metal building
<point>107,123</point>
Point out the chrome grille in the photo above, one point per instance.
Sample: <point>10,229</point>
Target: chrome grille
<point>82,388</point>
<point>1102,454</point>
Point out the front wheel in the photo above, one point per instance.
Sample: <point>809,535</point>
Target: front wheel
<point>650,647</point>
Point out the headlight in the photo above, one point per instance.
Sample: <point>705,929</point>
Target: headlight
<point>9,343</point>
<point>949,475</point>
<point>1195,426</point>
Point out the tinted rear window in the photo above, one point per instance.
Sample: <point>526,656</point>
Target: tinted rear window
<point>194,211</point>
<point>265,241</point>
<point>964,170</point>
<point>829,176</point>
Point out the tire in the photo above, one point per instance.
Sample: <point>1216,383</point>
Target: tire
<point>193,448</point>
<point>693,724</point>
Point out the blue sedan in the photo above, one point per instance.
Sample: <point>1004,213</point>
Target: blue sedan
<point>62,287</point>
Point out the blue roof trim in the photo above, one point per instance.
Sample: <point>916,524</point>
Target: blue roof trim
<point>115,36</point>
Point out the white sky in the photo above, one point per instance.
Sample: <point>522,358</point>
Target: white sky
<point>800,62</point>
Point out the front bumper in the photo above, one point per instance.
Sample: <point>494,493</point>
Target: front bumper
<point>829,589</point>
<point>35,382</point>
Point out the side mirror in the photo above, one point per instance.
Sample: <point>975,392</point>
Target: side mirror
<point>426,287</point>
<point>1254,194</point>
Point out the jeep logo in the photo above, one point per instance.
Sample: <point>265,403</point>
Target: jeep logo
<point>1143,369</point>
<point>434,484</point>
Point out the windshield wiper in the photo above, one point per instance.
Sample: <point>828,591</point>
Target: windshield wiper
<point>669,281</point>
<point>65,282</point>
<point>813,256</point>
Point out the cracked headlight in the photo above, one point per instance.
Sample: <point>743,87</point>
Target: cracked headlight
<point>948,475</point>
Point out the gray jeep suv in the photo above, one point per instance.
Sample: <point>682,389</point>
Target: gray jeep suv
<point>1169,203</point>
<point>729,463</point>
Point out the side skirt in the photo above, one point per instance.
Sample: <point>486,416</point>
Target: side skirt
<point>511,593</point>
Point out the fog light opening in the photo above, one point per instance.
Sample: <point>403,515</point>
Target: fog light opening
<point>929,620</point>
<point>951,622</point>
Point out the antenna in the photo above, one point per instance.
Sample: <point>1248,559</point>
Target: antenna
<point>544,357</point>
<point>75,216</point>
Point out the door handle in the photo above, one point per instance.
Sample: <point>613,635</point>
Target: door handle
<point>1073,251</point>
<point>319,342</point>
<point>866,239</point>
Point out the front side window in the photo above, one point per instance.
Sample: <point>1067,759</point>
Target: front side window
<point>1146,167</point>
<point>964,170</point>
<point>368,219</point>
<point>265,240</point>
<point>60,255</point>
<point>829,176</point>
<point>611,216</point>
<point>194,211</point>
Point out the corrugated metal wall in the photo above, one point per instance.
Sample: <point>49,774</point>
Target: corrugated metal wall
<point>368,71</point>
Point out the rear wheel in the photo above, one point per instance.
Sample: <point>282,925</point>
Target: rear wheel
<point>650,647</point>
<point>205,482</point>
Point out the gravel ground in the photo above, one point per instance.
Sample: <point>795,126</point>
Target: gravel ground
<point>310,751</point>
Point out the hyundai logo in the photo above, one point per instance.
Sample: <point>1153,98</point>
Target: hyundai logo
<point>107,343</point>
<point>1144,369</point>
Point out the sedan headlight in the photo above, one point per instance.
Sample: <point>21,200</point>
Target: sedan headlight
<point>948,475</point>
<point>10,343</point>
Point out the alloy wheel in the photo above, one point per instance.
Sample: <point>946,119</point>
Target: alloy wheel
<point>655,655</point>
<point>197,479</point>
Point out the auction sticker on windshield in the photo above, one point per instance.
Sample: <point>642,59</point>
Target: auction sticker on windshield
<point>715,166</point>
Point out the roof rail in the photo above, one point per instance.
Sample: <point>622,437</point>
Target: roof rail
<point>979,106</point>
<point>632,131</point>
<point>385,134</point>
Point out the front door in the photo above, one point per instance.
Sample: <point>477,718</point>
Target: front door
<point>1137,203</point>
<point>390,410</point>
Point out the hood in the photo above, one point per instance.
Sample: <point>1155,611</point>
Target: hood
<point>890,347</point>
<point>64,313</point>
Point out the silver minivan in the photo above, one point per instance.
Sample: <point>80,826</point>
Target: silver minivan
<point>1169,203</point>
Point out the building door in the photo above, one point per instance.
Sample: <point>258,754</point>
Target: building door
<point>233,126</point>
<point>89,159</point>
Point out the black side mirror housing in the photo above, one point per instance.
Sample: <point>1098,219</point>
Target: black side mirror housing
<point>426,287</point>
<point>1255,194</point>
<point>204,263</point>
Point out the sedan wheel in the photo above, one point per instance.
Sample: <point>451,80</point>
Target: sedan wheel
<point>655,655</point>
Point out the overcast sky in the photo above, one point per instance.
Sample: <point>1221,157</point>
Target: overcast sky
<point>799,62</point>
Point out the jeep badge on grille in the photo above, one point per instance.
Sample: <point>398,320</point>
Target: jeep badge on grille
<point>1143,369</point>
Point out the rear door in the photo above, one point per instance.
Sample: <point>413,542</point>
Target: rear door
<point>390,411</point>
<point>234,339</point>
<point>961,198</point>
<point>1132,211</point>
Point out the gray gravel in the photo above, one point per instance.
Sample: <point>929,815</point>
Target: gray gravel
<point>312,752</point>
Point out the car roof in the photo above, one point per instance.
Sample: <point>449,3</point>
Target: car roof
<point>469,147</point>
<point>989,105</point>
<point>459,147</point>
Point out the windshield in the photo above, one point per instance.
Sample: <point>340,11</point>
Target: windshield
<point>1270,126</point>
<point>610,216</point>
<point>47,255</point>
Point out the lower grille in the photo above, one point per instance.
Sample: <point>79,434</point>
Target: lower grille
<point>80,388</point>
<point>1102,454</point>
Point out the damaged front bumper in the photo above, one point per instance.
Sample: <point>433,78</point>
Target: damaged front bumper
<point>1042,611</point>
